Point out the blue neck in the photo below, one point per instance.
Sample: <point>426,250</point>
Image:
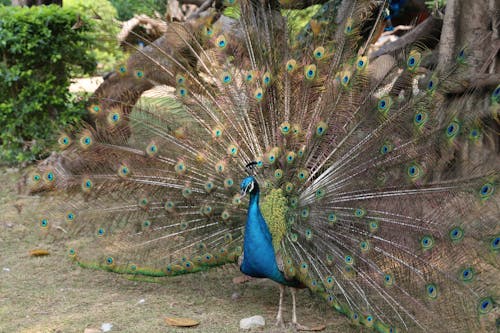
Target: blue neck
<point>256,222</point>
<point>259,257</point>
<point>254,200</point>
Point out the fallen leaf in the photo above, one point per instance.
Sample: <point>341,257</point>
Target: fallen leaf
<point>181,322</point>
<point>92,330</point>
<point>39,253</point>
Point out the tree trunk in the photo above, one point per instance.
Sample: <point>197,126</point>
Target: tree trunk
<point>473,26</point>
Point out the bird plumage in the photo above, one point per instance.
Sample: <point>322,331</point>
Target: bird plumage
<point>259,257</point>
<point>362,198</point>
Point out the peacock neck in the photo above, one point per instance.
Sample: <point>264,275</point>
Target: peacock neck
<point>256,225</point>
<point>259,257</point>
<point>254,201</point>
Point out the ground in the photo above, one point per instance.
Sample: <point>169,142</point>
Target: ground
<point>51,294</point>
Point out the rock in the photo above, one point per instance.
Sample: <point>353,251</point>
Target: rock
<point>235,296</point>
<point>252,322</point>
<point>106,327</point>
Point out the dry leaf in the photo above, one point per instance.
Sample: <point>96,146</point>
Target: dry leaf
<point>181,322</point>
<point>92,330</point>
<point>39,253</point>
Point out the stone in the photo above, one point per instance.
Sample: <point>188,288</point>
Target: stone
<point>106,327</point>
<point>252,322</point>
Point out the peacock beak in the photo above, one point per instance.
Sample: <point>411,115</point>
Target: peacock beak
<point>247,189</point>
<point>244,191</point>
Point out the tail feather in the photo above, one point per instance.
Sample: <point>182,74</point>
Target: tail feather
<point>385,218</point>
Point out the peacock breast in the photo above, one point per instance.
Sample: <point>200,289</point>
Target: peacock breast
<point>258,253</point>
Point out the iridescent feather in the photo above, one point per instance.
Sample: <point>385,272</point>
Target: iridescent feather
<point>365,199</point>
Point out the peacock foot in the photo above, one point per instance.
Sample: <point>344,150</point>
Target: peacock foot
<point>280,322</point>
<point>295,325</point>
<point>279,316</point>
<point>300,327</point>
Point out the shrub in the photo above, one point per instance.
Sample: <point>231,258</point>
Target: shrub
<point>39,50</point>
<point>104,31</point>
<point>127,9</point>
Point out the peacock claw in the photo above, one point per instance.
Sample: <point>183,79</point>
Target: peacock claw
<point>300,327</point>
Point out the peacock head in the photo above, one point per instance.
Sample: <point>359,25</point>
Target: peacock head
<point>249,185</point>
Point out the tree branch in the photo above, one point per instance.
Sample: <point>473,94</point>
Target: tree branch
<point>494,9</point>
<point>447,43</point>
<point>423,29</point>
<point>477,81</point>
<point>342,11</point>
<point>204,6</point>
<point>154,27</point>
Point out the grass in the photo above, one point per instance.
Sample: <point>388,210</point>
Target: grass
<point>51,294</point>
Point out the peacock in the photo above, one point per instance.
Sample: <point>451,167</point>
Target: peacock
<point>307,161</point>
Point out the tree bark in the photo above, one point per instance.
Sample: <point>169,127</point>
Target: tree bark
<point>473,27</point>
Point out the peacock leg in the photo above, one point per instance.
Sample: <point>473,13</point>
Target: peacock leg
<point>279,317</point>
<point>295,324</point>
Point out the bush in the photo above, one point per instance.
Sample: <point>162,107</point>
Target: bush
<point>104,31</point>
<point>39,51</point>
<point>127,9</point>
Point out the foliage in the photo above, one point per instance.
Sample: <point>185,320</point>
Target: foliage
<point>299,18</point>
<point>127,9</point>
<point>104,30</point>
<point>435,5</point>
<point>39,51</point>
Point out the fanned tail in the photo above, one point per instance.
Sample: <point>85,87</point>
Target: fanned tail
<point>380,214</point>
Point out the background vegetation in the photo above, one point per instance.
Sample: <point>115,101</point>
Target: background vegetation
<point>126,9</point>
<point>43,47</point>
<point>40,51</point>
<point>100,16</point>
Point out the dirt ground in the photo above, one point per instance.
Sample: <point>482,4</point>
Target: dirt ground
<point>51,294</point>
